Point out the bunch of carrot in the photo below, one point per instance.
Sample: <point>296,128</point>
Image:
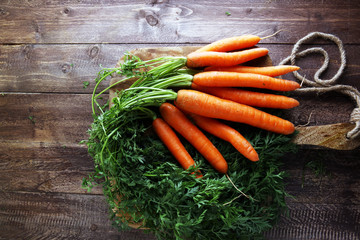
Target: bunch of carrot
<point>215,95</point>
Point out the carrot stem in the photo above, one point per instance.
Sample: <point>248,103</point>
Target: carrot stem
<point>236,187</point>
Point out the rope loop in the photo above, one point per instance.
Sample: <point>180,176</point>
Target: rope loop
<point>319,85</point>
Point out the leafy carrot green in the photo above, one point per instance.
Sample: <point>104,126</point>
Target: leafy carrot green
<point>172,203</point>
<point>86,84</point>
<point>32,119</point>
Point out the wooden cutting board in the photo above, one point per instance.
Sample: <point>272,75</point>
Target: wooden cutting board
<point>325,136</point>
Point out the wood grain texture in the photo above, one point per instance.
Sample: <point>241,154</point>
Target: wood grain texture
<point>41,21</point>
<point>323,176</point>
<point>30,215</point>
<point>44,156</point>
<point>44,181</point>
<point>324,206</point>
<point>55,118</point>
<point>53,68</point>
<point>323,221</point>
<point>48,48</point>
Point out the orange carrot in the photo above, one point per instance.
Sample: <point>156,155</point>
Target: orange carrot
<point>173,143</point>
<point>203,59</point>
<point>214,107</point>
<point>176,119</point>
<point>233,79</point>
<point>255,99</point>
<point>231,44</point>
<point>226,133</point>
<point>271,71</point>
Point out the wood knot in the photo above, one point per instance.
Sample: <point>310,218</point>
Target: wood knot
<point>318,16</point>
<point>153,2</point>
<point>26,51</point>
<point>66,11</point>
<point>94,51</point>
<point>3,12</point>
<point>151,20</point>
<point>93,227</point>
<point>36,26</point>
<point>65,68</point>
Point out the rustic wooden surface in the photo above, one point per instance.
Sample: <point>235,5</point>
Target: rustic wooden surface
<point>48,48</point>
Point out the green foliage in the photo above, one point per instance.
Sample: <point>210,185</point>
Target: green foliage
<point>86,84</point>
<point>146,72</point>
<point>317,167</point>
<point>32,119</point>
<point>132,164</point>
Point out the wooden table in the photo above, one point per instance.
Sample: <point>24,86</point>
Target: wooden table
<point>49,51</point>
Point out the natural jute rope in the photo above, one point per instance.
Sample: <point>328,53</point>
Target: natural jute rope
<point>320,86</point>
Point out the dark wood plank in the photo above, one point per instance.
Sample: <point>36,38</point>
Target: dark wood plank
<point>55,118</point>
<point>319,109</point>
<point>323,206</point>
<point>63,119</point>
<point>45,181</point>
<point>44,156</point>
<point>29,215</point>
<point>339,185</point>
<point>337,182</point>
<point>53,68</point>
<point>42,21</point>
<point>39,154</point>
<point>43,153</point>
<point>314,221</point>
<point>44,167</point>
